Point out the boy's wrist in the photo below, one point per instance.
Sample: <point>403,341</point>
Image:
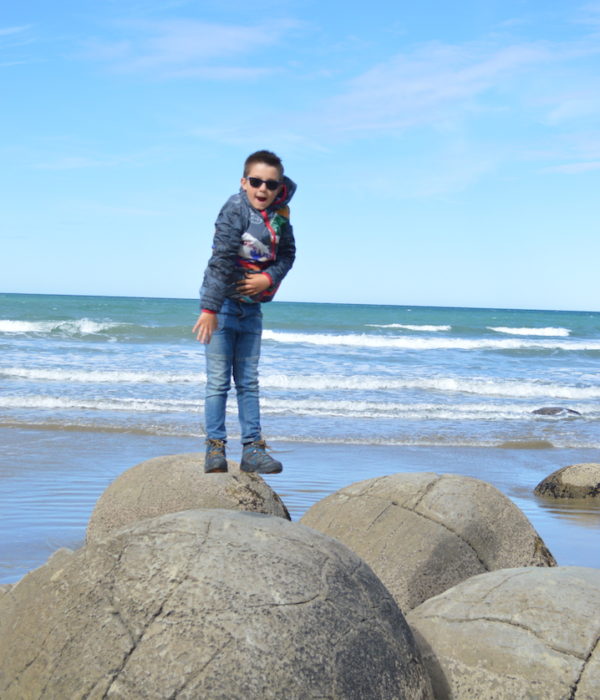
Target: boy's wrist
<point>208,311</point>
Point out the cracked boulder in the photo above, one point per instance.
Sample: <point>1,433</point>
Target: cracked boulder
<point>208,604</point>
<point>574,481</point>
<point>423,533</point>
<point>177,482</point>
<point>515,633</point>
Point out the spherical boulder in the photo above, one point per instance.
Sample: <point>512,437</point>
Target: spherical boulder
<point>514,633</point>
<point>209,604</point>
<point>423,533</point>
<point>177,482</point>
<point>574,481</point>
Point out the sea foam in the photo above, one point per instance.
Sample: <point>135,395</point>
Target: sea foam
<point>309,407</point>
<point>122,404</point>
<point>98,376</point>
<point>507,388</point>
<point>363,340</point>
<point>82,326</point>
<point>407,327</point>
<point>548,332</point>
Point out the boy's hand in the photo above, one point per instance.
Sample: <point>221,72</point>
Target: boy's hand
<point>205,326</point>
<point>254,283</point>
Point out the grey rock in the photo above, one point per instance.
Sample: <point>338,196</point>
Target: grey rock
<point>526,445</point>
<point>555,411</point>
<point>208,604</point>
<point>177,482</point>
<point>53,567</point>
<point>516,633</point>
<point>574,481</point>
<point>423,533</point>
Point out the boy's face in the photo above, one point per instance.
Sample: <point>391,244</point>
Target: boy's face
<point>261,197</point>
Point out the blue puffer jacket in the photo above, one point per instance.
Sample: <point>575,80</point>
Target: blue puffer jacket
<point>247,239</point>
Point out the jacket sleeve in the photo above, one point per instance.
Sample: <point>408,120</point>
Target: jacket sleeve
<point>221,266</point>
<point>286,254</point>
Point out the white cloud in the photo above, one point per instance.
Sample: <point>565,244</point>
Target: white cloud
<point>74,163</point>
<point>575,106</point>
<point>95,160</point>
<point>590,14</point>
<point>428,86</point>
<point>189,48</point>
<point>10,31</point>
<point>574,168</point>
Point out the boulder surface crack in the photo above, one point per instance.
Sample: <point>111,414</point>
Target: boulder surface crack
<point>135,641</point>
<point>189,681</point>
<point>595,646</point>
<point>454,532</point>
<point>511,623</point>
<point>430,486</point>
<point>377,517</point>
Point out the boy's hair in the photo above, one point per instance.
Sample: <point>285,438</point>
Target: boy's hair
<point>267,157</point>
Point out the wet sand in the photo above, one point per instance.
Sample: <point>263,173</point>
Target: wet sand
<point>50,481</point>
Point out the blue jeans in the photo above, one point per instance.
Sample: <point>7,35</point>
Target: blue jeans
<point>234,349</point>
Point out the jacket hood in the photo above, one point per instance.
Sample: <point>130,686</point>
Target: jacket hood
<point>284,197</point>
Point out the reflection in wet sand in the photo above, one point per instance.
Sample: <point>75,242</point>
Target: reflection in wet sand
<point>582,511</point>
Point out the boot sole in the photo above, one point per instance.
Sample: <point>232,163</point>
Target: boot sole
<point>249,470</point>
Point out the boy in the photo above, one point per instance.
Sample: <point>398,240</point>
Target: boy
<point>253,250</point>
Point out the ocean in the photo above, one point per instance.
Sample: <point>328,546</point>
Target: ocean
<point>90,386</point>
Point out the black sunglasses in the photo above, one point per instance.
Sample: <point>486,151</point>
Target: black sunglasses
<point>257,182</point>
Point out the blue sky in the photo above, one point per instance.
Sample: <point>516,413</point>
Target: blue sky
<point>446,153</point>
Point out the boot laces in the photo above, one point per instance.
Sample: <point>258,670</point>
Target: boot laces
<point>215,447</point>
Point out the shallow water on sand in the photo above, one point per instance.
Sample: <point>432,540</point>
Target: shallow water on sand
<point>50,481</point>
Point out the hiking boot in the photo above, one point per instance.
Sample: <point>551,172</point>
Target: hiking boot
<point>255,459</point>
<point>215,461</point>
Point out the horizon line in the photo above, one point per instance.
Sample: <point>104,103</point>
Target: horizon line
<point>336,303</point>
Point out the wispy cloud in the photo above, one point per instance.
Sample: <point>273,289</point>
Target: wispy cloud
<point>12,41</point>
<point>574,168</point>
<point>11,31</point>
<point>88,207</point>
<point>576,105</point>
<point>429,86</point>
<point>188,48</point>
<point>590,14</point>
<point>75,163</point>
<point>95,160</point>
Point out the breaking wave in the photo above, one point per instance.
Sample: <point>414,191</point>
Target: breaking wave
<point>408,327</point>
<point>509,388</point>
<point>411,343</point>
<point>343,408</point>
<point>82,326</point>
<point>548,332</point>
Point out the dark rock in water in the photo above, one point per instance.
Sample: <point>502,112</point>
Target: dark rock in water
<point>555,411</point>
<point>526,445</point>
<point>574,481</point>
